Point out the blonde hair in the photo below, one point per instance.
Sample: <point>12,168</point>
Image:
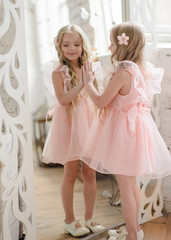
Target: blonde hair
<point>134,51</point>
<point>85,44</point>
<point>64,61</point>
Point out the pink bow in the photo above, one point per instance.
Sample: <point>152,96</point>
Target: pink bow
<point>132,115</point>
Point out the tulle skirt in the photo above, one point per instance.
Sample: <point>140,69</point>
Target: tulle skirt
<point>68,132</point>
<point>122,144</point>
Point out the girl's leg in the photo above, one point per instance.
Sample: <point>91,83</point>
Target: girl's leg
<point>70,175</point>
<point>89,191</point>
<point>137,199</point>
<point>130,204</point>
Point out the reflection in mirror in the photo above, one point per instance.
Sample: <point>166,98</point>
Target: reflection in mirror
<point>43,20</point>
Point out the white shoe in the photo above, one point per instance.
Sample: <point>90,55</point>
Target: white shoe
<point>119,232</point>
<point>75,231</point>
<point>123,232</point>
<point>112,238</point>
<point>117,238</point>
<point>140,234</point>
<point>94,226</point>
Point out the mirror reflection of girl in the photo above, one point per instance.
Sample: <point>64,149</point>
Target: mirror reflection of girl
<point>126,141</point>
<point>71,120</point>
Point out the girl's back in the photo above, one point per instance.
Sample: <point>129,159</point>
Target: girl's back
<point>143,85</point>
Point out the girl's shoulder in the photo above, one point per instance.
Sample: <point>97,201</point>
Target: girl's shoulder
<point>53,71</point>
<point>147,68</point>
<point>150,75</point>
<point>61,68</point>
<point>127,66</point>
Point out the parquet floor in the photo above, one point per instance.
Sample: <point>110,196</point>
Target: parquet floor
<point>50,214</point>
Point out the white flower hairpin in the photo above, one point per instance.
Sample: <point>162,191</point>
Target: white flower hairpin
<point>55,41</point>
<point>123,39</point>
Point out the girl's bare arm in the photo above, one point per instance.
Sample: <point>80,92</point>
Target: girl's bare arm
<point>119,83</point>
<point>63,97</point>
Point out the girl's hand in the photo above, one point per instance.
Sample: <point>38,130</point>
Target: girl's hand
<point>88,76</point>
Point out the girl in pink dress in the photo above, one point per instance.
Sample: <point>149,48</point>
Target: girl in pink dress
<point>71,119</point>
<point>125,140</point>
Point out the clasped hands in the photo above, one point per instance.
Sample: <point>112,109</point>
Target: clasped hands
<point>87,73</point>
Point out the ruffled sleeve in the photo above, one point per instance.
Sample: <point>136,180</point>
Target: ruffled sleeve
<point>65,74</point>
<point>149,84</point>
<point>153,77</point>
<point>138,80</point>
<point>157,76</point>
<point>47,70</point>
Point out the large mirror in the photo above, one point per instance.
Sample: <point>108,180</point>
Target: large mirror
<point>43,20</point>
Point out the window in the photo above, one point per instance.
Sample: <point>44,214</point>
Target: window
<point>49,19</point>
<point>163,20</point>
<point>155,16</point>
<point>103,14</point>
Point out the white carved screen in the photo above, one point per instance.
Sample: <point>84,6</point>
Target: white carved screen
<point>17,197</point>
<point>151,197</point>
<point>16,200</point>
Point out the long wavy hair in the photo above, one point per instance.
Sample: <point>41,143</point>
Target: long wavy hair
<point>82,59</point>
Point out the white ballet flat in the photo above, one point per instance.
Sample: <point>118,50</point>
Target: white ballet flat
<point>112,238</point>
<point>119,232</point>
<point>117,238</point>
<point>96,227</point>
<point>75,231</point>
<point>140,234</point>
<point>123,232</point>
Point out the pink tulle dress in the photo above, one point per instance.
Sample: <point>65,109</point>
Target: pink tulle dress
<point>126,140</point>
<point>69,128</point>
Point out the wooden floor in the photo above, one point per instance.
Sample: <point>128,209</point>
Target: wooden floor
<point>158,229</point>
<point>49,210</point>
<point>50,214</point>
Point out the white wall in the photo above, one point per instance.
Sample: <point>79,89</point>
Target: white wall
<point>35,81</point>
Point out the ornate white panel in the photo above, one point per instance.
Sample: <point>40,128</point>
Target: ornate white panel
<point>151,198</point>
<point>144,11</point>
<point>17,198</point>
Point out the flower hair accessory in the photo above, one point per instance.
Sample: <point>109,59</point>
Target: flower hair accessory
<point>55,41</point>
<point>123,39</point>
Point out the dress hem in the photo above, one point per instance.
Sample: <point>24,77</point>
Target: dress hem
<point>48,160</point>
